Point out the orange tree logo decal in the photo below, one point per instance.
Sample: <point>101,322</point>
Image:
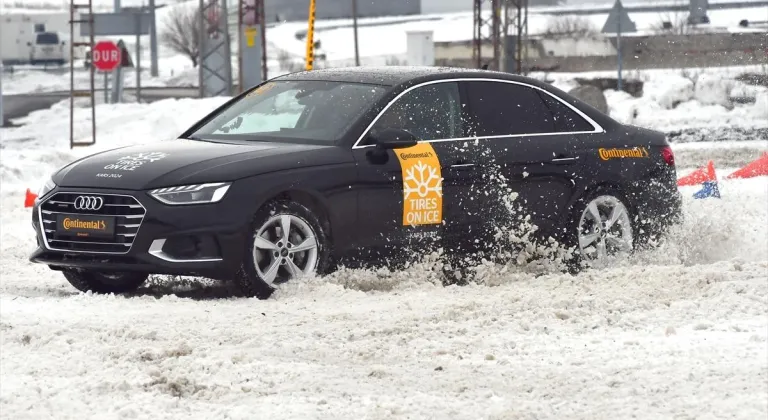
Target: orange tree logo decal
<point>422,186</point>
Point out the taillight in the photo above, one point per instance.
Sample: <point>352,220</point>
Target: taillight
<point>668,155</point>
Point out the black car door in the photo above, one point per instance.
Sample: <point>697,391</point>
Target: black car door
<point>411,197</point>
<point>528,147</point>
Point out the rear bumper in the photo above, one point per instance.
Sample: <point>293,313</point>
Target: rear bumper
<point>201,240</point>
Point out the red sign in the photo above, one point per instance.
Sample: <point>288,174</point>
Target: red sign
<point>106,56</point>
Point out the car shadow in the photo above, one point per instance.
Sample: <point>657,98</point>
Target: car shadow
<point>187,288</point>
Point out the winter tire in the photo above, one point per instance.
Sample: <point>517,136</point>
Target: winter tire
<point>601,228</point>
<point>286,242</point>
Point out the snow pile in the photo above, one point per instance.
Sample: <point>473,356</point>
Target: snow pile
<point>713,90</point>
<point>647,112</point>
<point>732,228</point>
<point>675,99</point>
<point>672,94</point>
<point>41,145</point>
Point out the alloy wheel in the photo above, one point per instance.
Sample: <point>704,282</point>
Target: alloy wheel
<point>284,248</point>
<point>605,230</point>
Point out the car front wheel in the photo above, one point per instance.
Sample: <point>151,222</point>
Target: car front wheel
<point>104,282</point>
<point>287,242</point>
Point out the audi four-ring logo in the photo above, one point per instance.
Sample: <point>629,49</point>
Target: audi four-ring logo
<point>87,202</point>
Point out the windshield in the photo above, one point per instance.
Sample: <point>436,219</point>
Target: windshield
<point>313,111</point>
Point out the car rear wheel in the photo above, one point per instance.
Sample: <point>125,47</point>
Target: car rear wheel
<point>287,242</point>
<point>104,282</point>
<point>602,229</point>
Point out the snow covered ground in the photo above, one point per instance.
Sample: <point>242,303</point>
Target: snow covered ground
<point>677,332</point>
<point>384,38</point>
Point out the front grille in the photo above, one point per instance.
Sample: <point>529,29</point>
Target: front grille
<point>126,210</point>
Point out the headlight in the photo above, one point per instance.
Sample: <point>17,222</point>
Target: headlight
<point>45,188</point>
<point>191,194</point>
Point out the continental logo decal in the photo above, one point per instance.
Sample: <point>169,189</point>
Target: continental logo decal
<point>637,152</point>
<point>69,224</point>
<point>422,185</point>
<point>423,155</point>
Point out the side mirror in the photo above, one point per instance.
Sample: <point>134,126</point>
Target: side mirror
<point>394,138</point>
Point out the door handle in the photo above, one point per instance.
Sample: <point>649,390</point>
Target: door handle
<point>462,165</point>
<point>564,159</point>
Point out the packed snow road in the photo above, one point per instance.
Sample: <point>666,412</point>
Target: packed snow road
<point>677,332</point>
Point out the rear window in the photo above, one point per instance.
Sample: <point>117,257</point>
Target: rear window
<point>566,119</point>
<point>47,38</point>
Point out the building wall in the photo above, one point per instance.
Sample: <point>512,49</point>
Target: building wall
<point>451,6</point>
<point>664,51</point>
<point>298,10</point>
<point>445,6</point>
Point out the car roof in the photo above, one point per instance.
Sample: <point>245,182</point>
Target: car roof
<point>400,77</point>
<point>395,75</point>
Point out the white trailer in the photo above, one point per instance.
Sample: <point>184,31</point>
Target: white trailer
<point>35,38</point>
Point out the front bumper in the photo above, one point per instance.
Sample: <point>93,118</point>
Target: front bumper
<point>196,240</point>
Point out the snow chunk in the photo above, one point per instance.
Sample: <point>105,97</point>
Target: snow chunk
<point>714,90</point>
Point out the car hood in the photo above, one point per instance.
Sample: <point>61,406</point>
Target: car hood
<point>181,162</point>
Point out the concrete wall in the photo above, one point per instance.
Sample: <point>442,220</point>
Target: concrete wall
<point>450,6</point>
<point>298,10</point>
<point>663,51</point>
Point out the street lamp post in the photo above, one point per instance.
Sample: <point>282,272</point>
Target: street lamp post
<point>354,26</point>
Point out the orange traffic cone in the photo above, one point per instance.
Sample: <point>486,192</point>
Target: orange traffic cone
<point>703,174</point>
<point>30,198</point>
<point>758,167</point>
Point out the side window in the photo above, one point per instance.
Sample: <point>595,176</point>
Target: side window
<point>507,108</point>
<point>566,119</point>
<point>430,112</point>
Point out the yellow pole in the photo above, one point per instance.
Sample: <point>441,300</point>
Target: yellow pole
<point>311,36</point>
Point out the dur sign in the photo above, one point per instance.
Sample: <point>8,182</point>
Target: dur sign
<point>106,56</point>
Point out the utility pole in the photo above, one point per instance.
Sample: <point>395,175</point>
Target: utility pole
<point>152,39</point>
<point>491,25</point>
<point>618,22</point>
<point>354,26</point>
<point>252,44</point>
<point>2,116</point>
<point>619,86</point>
<point>215,63</point>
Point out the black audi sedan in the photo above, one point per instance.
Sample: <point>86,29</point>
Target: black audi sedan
<point>313,169</point>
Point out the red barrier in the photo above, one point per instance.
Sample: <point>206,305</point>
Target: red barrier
<point>758,167</point>
<point>703,174</point>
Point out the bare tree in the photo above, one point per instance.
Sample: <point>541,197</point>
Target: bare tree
<point>569,27</point>
<point>182,32</point>
<point>675,22</point>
